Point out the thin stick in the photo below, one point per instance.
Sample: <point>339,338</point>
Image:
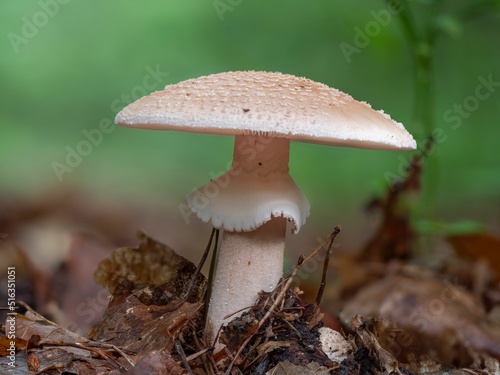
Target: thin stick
<point>255,345</point>
<point>115,348</point>
<point>293,328</point>
<point>321,289</point>
<point>180,351</point>
<point>185,297</point>
<point>211,272</point>
<point>212,263</point>
<point>193,356</point>
<point>200,266</point>
<point>206,359</point>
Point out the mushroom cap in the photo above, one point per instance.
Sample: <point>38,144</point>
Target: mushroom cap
<point>265,103</point>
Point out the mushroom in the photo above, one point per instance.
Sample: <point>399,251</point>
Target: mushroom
<point>252,202</point>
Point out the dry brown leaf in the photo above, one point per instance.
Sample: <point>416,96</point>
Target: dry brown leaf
<point>5,342</point>
<point>238,330</point>
<point>49,348</point>
<point>428,318</point>
<point>288,368</point>
<point>145,313</point>
<point>139,328</point>
<point>157,363</point>
<point>150,264</point>
<point>315,318</point>
<point>269,346</point>
<point>31,324</point>
<point>139,319</point>
<point>385,361</point>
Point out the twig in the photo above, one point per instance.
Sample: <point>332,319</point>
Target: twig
<point>185,297</point>
<point>254,346</point>
<point>212,262</point>
<point>200,266</point>
<point>204,358</point>
<point>236,312</point>
<point>319,296</point>
<point>293,329</point>
<point>240,350</point>
<point>180,351</point>
<point>211,279</point>
<point>193,356</point>
<point>115,348</point>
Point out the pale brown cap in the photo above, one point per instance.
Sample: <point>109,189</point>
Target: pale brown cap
<point>264,103</point>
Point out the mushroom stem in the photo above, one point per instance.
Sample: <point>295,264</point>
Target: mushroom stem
<point>248,262</point>
<point>253,202</point>
<point>261,156</point>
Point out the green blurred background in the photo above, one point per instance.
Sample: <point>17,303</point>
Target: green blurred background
<point>66,66</point>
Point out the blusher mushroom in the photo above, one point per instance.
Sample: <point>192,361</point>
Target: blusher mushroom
<point>252,202</point>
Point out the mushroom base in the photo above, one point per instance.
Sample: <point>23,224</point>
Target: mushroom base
<point>248,262</point>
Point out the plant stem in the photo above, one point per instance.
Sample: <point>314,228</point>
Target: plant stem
<point>422,41</point>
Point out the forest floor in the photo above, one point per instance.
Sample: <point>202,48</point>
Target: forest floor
<point>395,311</point>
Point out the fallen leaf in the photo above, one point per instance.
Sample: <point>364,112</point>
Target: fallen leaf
<point>150,264</point>
<point>5,344</point>
<point>157,363</point>
<point>272,345</point>
<point>427,318</point>
<point>33,324</point>
<point>141,329</point>
<point>384,360</point>
<point>51,349</point>
<point>288,368</point>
